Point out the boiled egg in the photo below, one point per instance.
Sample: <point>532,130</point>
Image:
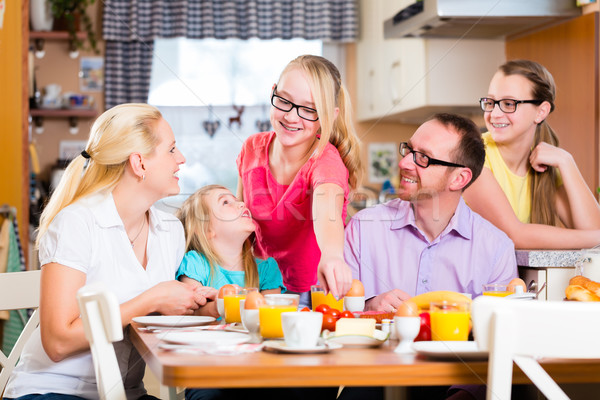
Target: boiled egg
<point>227,290</point>
<point>516,282</point>
<point>357,289</point>
<point>254,300</point>
<point>408,308</point>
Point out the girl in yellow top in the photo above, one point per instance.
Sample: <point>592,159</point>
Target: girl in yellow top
<point>530,186</point>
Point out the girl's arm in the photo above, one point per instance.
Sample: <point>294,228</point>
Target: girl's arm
<point>576,205</point>
<point>333,272</point>
<point>240,189</point>
<point>271,291</point>
<point>486,198</point>
<point>61,327</point>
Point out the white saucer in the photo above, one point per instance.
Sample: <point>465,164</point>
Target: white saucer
<point>173,320</point>
<point>198,338</point>
<point>379,337</point>
<point>280,346</point>
<point>464,350</point>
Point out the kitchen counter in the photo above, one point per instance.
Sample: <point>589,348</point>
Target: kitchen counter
<point>552,267</point>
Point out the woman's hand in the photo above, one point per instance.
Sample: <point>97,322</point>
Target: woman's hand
<point>176,298</point>
<point>545,155</point>
<point>334,275</point>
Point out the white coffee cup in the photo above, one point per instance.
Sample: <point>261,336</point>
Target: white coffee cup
<point>301,328</point>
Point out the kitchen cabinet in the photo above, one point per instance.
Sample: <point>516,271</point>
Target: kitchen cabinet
<point>554,268</point>
<point>408,80</point>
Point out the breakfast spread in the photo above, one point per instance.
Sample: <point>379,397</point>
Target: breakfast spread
<point>423,300</point>
<point>582,289</point>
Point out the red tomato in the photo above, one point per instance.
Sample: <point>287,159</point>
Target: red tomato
<point>425,332</point>
<point>323,308</point>
<point>328,322</point>
<point>346,314</point>
<point>335,313</point>
<point>305,309</point>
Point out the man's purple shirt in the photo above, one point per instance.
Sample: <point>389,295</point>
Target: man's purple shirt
<point>385,250</point>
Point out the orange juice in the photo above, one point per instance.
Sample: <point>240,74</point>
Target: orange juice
<point>317,298</point>
<point>270,320</point>
<point>498,293</point>
<point>232,307</point>
<point>450,325</point>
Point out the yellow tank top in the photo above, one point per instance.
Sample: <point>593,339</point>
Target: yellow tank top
<point>516,188</point>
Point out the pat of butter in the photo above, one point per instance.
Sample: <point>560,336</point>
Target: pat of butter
<point>355,326</point>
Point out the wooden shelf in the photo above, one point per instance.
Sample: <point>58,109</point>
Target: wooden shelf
<point>63,113</point>
<point>54,35</point>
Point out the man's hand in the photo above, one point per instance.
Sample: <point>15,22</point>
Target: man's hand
<point>387,302</point>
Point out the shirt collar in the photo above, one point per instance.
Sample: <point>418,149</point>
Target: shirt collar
<point>405,216</point>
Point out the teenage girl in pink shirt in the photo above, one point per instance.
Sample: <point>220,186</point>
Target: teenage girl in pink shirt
<point>296,179</point>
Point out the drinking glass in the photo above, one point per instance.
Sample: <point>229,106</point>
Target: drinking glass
<point>269,316</point>
<point>450,320</point>
<point>231,303</point>
<point>496,290</point>
<point>317,297</point>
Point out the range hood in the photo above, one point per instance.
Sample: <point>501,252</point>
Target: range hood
<point>484,19</point>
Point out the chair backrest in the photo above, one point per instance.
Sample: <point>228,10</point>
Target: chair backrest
<point>101,317</point>
<point>18,291</point>
<point>522,331</point>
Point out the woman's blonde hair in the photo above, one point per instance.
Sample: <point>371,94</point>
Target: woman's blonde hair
<point>195,215</point>
<point>543,184</point>
<point>328,93</point>
<point>115,135</point>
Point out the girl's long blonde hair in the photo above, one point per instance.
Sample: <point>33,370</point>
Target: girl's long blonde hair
<point>115,135</point>
<point>543,184</point>
<point>195,215</point>
<point>328,93</point>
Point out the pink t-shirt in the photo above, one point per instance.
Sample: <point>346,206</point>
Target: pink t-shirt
<point>283,213</point>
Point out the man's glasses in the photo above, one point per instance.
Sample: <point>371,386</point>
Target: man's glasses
<point>307,113</point>
<point>422,159</point>
<point>506,105</point>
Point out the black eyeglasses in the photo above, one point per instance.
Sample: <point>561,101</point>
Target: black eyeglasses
<point>307,113</point>
<point>422,159</point>
<point>506,105</point>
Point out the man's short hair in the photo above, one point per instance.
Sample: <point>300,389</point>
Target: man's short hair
<point>470,151</point>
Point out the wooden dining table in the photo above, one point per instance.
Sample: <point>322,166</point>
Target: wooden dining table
<point>379,366</point>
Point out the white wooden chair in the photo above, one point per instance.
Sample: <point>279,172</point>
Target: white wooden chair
<point>101,318</point>
<point>18,291</point>
<point>523,331</point>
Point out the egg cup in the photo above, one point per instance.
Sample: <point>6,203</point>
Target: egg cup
<point>407,329</point>
<point>251,322</point>
<point>354,303</point>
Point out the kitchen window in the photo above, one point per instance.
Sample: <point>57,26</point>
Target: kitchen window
<point>215,93</point>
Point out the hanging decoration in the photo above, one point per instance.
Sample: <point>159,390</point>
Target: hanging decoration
<point>263,125</point>
<point>211,126</point>
<point>238,118</point>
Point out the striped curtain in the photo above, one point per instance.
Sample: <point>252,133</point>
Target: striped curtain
<point>130,27</point>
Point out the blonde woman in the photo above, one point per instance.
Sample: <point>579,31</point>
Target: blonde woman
<point>296,179</point>
<point>218,228</point>
<point>529,184</point>
<point>100,226</point>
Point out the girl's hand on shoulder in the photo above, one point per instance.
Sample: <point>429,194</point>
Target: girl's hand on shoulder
<point>545,155</point>
<point>177,298</point>
<point>334,275</point>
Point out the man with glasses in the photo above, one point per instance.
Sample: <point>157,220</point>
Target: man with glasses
<point>428,239</point>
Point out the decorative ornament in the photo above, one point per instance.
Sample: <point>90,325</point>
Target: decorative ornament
<point>238,118</point>
<point>263,125</point>
<point>211,126</point>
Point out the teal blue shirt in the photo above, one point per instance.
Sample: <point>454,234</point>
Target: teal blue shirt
<point>194,265</point>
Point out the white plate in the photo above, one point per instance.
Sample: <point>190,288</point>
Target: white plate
<point>199,338</point>
<point>450,349</point>
<point>280,346</point>
<point>173,320</point>
<point>378,338</point>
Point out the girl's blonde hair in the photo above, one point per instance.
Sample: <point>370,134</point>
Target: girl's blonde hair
<point>115,135</point>
<point>543,184</point>
<point>195,215</point>
<point>328,93</point>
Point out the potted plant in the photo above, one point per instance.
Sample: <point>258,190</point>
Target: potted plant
<point>71,16</point>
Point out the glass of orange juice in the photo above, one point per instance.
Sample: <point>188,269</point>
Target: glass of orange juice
<point>317,297</point>
<point>231,303</point>
<point>450,320</point>
<point>269,316</point>
<point>494,289</point>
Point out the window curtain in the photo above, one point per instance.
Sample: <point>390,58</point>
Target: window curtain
<point>130,27</point>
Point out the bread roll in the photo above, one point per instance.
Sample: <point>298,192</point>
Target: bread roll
<point>590,285</point>
<point>579,293</point>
